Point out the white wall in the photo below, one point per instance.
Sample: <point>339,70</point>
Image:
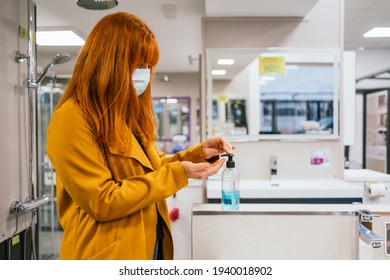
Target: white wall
<point>370,61</point>
<point>278,32</point>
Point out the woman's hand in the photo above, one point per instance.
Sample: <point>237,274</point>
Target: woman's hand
<point>216,146</point>
<point>201,170</point>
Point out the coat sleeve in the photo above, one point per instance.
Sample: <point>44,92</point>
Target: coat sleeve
<point>80,167</point>
<point>193,154</point>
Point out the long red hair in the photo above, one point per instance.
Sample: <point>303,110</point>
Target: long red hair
<point>101,83</point>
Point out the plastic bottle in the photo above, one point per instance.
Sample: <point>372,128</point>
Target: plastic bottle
<point>230,186</point>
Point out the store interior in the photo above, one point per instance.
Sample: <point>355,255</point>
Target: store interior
<point>297,88</point>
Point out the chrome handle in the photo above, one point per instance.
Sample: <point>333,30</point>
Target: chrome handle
<point>365,234</point>
<point>369,237</point>
<point>18,206</point>
<point>366,215</point>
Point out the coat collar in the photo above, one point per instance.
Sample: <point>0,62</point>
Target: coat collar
<point>135,151</point>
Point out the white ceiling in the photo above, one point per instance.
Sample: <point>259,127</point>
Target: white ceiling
<point>180,37</point>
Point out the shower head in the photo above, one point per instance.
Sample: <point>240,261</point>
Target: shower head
<point>61,58</point>
<point>97,4</point>
<point>57,59</point>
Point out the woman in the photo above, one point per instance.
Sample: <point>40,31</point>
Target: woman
<point>111,180</point>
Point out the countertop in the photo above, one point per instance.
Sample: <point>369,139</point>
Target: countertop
<point>359,175</point>
<point>215,209</point>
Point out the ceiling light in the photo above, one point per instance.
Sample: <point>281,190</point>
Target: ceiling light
<point>216,72</point>
<point>262,82</point>
<point>225,61</point>
<point>378,32</point>
<point>165,78</point>
<point>59,38</point>
<point>172,100</point>
<point>267,78</point>
<point>291,66</point>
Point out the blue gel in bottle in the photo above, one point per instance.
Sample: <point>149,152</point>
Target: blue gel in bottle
<point>230,186</point>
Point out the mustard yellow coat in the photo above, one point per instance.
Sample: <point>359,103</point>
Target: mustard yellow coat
<point>108,201</point>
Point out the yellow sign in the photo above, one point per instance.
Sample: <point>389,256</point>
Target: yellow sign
<point>223,98</point>
<point>271,65</point>
<point>15,240</point>
<point>23,33</point>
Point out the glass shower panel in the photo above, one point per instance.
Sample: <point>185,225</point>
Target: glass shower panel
<point>49,229</point>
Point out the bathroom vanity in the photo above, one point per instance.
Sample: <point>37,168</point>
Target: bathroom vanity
<point>328,191</point>
<point>290,231</point>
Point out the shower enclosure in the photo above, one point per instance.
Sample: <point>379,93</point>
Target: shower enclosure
<point>49,229</point>
<point>23,196</point>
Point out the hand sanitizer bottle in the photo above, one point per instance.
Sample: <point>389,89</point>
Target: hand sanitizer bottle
<point>230,186</point>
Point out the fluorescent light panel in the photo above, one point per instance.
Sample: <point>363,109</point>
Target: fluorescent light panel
<point>225,61</point>
<point>291,66</point>
<point>217,72</point>
<point>59,38</point>
<point>172,100</point>
<point>378,32</point>
<point>267,78</point>
<point>168,100</point>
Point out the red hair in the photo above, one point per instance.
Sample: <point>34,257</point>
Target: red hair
<point>101,83</point>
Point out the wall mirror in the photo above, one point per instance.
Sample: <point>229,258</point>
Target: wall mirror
<point>272,93</point>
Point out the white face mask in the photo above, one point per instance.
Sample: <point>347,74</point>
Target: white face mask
<point>141,78</point>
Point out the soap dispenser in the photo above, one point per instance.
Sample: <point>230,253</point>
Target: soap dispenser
<point>230,185</point>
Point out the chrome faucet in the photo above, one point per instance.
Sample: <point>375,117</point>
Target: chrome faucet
<point>273,167</point>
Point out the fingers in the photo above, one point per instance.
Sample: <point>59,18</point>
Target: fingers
<point>226,146</point>
<point>216,146</point>
<point>214,168</point>
<point>201,170</point>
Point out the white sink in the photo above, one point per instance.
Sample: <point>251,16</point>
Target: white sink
<point>310,188</point>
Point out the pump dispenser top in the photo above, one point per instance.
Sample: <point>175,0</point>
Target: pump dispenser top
<point>230,162</point>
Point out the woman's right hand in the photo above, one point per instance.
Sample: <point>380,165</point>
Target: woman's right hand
<point>201,170</point>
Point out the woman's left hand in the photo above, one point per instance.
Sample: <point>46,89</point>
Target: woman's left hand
<point>216,146</point>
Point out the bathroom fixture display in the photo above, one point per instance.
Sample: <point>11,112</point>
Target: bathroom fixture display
<point>269,231</point>
<point>18,206</point>
<point>97,4</point>
<point>57,59</point>
<point>273,167</point>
